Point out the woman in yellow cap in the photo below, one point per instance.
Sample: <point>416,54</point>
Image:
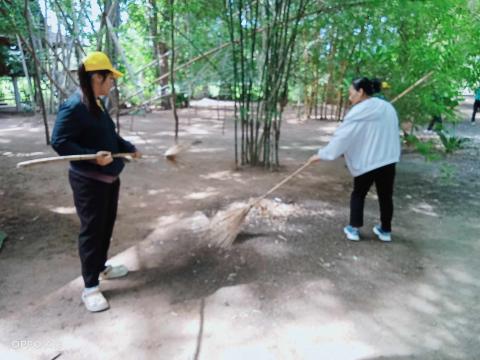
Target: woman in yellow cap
<point>83,126</point>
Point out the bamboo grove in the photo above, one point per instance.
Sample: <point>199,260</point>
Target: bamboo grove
<point>265,55</point>
<point>262,37</point>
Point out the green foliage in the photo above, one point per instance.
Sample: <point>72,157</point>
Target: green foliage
<point>429,148</point>
<point>181,100</point>
<point>426,148</point>
<point>262,36</point>
<point>10,57</point>
<point>398,41</point>
<point>451,143</point>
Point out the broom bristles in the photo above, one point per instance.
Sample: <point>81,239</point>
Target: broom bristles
<point>173,151</point>
<point>226,225</point>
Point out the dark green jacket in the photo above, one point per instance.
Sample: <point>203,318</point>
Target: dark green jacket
<point>78,132</point>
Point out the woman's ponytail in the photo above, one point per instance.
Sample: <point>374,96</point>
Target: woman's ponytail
<point>370,87</point>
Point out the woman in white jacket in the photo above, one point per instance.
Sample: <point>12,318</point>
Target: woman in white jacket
<point>370,141</point>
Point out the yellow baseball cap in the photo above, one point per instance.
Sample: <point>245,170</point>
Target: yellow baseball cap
<point>97,60</point>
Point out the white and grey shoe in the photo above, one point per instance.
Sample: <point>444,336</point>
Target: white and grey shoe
<point>113,272</point>
<point>94,300</point>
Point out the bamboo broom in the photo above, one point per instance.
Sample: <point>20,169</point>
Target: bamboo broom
<point>173,151</point>
<point>171,155</point>
<point>55,159</point>
<point>226,225</point>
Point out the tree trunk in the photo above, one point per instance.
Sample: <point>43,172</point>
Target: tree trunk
<point>36,74</point>
<point>163,70</point>
<point>16,93</point>
<point>39,65</point>
<point>172,65</point>
<point>276,62</point>
<point>154,34</point>
<point>78,48</point>
<point>73,33</point>
<point>25,71</point>
<point>119,49</point>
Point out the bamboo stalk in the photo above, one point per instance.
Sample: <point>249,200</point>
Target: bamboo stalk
<point>72,31</point>
<point>119,48</point>
<point>37,75</point>
<point>50,63</point>
<point>16,93</point>
<point>188,63</point>
<point>173,100</point>
<point>65,68</point>
<point>39,64</point>
<point>25,71</point>
<point>235,78</point>
<point>100,33</point>
<point>296,18</point>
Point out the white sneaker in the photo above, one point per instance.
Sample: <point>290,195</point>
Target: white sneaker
<point>381,234</point>
<point>113,272</point>
<point>94,300</point>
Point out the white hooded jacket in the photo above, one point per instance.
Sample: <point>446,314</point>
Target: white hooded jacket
<point>368,137</point>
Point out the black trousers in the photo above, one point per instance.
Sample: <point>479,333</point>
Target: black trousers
<point>383,178</point>
<point>476,107</point>
<point>436,119</point>
<point>96,203</point>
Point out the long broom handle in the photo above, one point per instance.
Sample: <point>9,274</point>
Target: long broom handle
<point>411,87</point>
<point>289,177</point>
<point>66,158</point>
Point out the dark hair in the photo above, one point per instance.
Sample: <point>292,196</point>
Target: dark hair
<point>85,78</point>
<point>370,87</point>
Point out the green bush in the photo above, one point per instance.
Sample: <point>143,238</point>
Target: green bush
<point>451,143</point>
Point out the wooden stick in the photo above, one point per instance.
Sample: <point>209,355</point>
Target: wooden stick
<point>179,67</point>
<point>67,158</point>
<point>289,177</point>
<point>410,88</point>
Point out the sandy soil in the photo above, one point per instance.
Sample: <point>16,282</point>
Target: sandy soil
<point>291,287</point>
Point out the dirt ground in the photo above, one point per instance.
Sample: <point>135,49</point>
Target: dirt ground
<point>291,287</point>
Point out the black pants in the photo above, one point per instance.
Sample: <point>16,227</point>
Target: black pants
<point>436,119</point>
<point>476,107</point>
<point>96,203</point>
<point>383,178</point>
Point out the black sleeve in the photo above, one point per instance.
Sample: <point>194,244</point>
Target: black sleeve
<point>67,130</point>
<point>125,146</point>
